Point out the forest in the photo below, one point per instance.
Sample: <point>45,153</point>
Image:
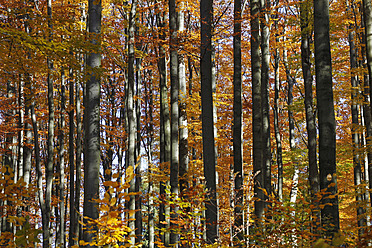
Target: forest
<point>215,123</point>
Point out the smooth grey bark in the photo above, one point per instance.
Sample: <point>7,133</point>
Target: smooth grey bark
<point>367,21</point>
<point>27,151</point>
<point>131,113</point>
<point>50,144</point>
<point>92,123</point>
<point>174,162</point>
<point>326,118</point>
<point>138,185</point>
<point>305,8</point>
<point>183,94</point>
<point>358,176</point>
<point>209,156</point>
<point>265,85</point>
<point>164,126</point>
<point>258,170</point>
<point>61,238</point>
<point>237,126</point>
<point>278,138</point>
<point>79,148</point>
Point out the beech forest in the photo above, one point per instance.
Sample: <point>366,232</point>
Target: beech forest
<point>185,123</point>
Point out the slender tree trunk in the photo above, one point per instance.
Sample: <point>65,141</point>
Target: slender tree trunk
<point>258,173</point>
<point>358,177</point>
<point>278,138</point>
<point>138,153</point>
<point>327,124</point>
<point>131,117</point>
<point>209,156</point>
<point>79,149</point>
<point>265,85</point>
<point>49,166</point>
<point>71,144</point>
<point>61,162</point>
<point>92,124</point>
<point>367,18</point>
<point>305,9</point>
<point>164,126</point>
<point>237,126</point>
<point>174,162</point>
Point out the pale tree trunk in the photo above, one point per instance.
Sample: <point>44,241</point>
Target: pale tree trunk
<point>138,153</point>
<point>237,126</point>
<point>367,16</point>
<point>209,153</point>
<point>174,162</point>
<point>61,166</point>
<point>50,144</point>
<point>326,117</point>
<point>305,8</point>
<point>276,110</point>
<point>164,126</point>
<point>265,82</point>
<point>79,149</point>
<point>92,124</point>
<point>131,153</point>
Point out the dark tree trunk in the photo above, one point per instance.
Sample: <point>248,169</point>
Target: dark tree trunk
<point>326,116</point>
<point>92,124</point>
<point>258,173</point>
<point>305,9</point>
<point>209,156</point>
<point>237,126</point>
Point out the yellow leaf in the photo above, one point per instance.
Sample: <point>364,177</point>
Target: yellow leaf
<point>113,201</point>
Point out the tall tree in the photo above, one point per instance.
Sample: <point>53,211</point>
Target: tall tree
<point>258,173</point>
<point>92,122</point>
<point>209,157</point>
<point>131,113</point>
<point>237,126</point>
<point>358,175</point>
<point>305,8</point>
<point>174,80</point>
<point>46,214</point>
<point>326,118</point>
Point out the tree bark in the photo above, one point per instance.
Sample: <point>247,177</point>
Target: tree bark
<point>358,177</point>
<point>326,117</point>
<point>209,156</point>
<point>258,170</point>
<point>131,153</point>
<point>237,126</point>
<point>92,124</point>
<point>305,8</point>
<point>174,80</point>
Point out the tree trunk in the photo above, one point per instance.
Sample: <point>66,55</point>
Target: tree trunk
<point>237,126</point>
<point>326,116</point>
<point>305,9</point>
<point>358,177</point>
<point>164,126</point>
<point>92,124</point>
<point>258,173</point>
<point>131,153</point>
<point>49,166</point>
<point>174,162</point>
<point>71,145</point>
<point>209,157</point>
